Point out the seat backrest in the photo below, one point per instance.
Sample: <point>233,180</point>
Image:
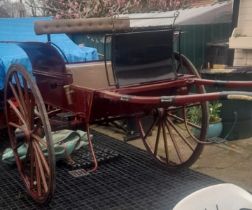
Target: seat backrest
<point>142,56</point>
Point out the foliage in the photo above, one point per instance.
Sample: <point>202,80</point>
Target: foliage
<point>194,113</point>
<point>91,8</point>
<point>214,112</point>
<point>101,8</point>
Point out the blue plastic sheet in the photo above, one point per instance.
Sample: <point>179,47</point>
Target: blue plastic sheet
<point>22,29</point>
<point>2,74</point>
<point>9,54</point>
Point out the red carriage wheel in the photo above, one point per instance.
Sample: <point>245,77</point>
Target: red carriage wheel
<point>29,130</point>
<point>172,137</point>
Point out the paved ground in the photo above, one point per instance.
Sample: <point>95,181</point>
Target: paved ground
<point>230,161</point>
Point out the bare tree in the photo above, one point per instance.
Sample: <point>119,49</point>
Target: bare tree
<point>3,13</point>
<point>98,8</point>
<point>32,4</point>
<point>12,9</point>
<point>38,7</point>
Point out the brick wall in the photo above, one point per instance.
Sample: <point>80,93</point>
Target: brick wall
<point>243,57</point>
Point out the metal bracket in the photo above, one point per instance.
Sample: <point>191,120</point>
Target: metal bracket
<point>125,98</point>
<point>166,99</point>
<point>68,93</point>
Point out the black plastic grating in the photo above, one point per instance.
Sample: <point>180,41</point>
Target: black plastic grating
<point>133,181</point>
<point>83,159</point>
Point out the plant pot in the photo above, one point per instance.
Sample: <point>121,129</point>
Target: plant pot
<point>214,130</point>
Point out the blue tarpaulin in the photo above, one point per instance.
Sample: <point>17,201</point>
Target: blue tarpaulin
<point>22,29</point>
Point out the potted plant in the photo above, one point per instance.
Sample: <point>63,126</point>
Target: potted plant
<point>215,123</point>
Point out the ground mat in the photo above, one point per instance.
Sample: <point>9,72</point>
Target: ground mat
<point>132,181</point>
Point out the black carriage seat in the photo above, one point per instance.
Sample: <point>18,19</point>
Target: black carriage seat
<point>137,57</point>
<point>92,75</point>
<point>143,56</point>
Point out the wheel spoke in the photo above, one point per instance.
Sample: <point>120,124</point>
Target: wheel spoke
<point>30,156</point>
<point>181,136</point>
<point>29,101</point>
<point>19,115</point>
<point>38,179</point>
<point>31,112</point>
<point>42,157</point>
<point>157,138</point>
<point>174,142</point>
<point>40,141</point>
<point>21,96</point>
<point>37,127</point>
<point>17,99</point>
<point>174,108</point>
<point>16,125</point>
<point>150,129</point>
<point>26,92</point>
<point>165,142</point>
<point>184,121</point>
<point>40,167</point>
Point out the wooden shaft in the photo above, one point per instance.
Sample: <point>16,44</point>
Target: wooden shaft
<point>221,83</point>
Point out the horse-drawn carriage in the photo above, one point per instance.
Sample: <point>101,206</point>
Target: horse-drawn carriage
<point>145,77</point>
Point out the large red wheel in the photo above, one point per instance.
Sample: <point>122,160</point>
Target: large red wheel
<point>169,138</point>
<point>29,127</point>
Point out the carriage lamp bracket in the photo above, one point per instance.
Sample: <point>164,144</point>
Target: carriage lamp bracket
<point>68,92</point>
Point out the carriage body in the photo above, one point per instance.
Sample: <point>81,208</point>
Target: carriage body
<point>132,71</point>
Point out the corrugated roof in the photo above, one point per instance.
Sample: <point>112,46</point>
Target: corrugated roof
<point>208,14</point>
